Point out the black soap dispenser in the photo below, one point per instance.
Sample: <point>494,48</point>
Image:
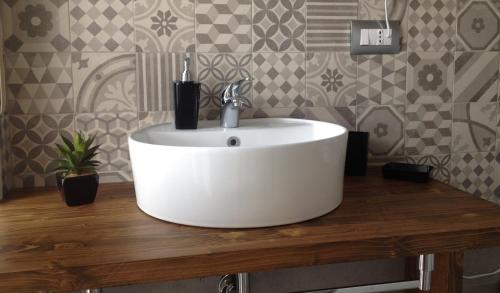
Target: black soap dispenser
<point>186,99</point>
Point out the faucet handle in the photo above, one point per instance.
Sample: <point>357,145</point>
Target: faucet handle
<point>232,91</point>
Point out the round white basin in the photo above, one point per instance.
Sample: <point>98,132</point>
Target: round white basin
<point>267,172</point>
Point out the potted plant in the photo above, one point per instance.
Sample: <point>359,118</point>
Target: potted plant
<point>76,175</point>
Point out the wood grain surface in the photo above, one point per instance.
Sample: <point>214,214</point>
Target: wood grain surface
<point>45,245</point>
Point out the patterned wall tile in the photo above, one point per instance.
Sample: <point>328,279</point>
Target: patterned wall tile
<point>428,129</point>
<point>478,25</point>
<point>102,26</point>
<point>496,192</point>
<point>279,80</point>
<point>224,25</point>
<point>385,123</point>
<point>331,78</point>
<point>441,164</point>
<point>476,77</point>
<point>429,77</point>
<point>474,127</point>
<point>5,156</point>
<point>279,26</point>
<point>155,73</point>
<point>328,24</point>
<point>35,25</point>
<point>33,150</point>
<point>164,25</point>
<point>104,82</point>
<point>381,79</point>
<point>39,83</point>
<point>112,130</point>
<point>431,25</point>
<point>345,116</point>
<point>473,173</point>
<point>156,117</point>
<point>217,70</point>
<point>374,10</point>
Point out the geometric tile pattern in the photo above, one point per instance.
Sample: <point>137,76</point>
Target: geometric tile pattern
<point>33,150</point>
<point>431,25</point>
<point>112,130</point>
<point>102,26</point>
<point>474,173</point>
<point>429,77</point>
<point>224,25</point>
<point>164,25</point>
<point>331,78</point>
<point>39,83</point>
<point>155,73</point>
<point>478,25</point>
<point>441,164</point>
<point>428,129</point>
<point>496,194</point>
<point>155,117</point>
<point>381,79</point>
<point>374,10</point>
<point>328,24</point>
<point>5,157</point>
<point>345,116</point>
<point>215,71</point>
<point>279,80</point>
<point>35,25</point>
<point>476,77</point>
<point>474,127</point>
<point>104,82</point>
<point>385,124</point>
<point>279,26</point>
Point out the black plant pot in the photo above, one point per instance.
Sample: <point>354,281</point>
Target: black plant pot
<point>78,190</point>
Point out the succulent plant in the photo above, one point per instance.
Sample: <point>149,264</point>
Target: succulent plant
<point>77,157</point>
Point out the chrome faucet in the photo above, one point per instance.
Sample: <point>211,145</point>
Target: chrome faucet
<point>231,103</point>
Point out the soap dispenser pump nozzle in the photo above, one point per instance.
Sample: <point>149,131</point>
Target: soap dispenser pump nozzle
<point>186,74</point>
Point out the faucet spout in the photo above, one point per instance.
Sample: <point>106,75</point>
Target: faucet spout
<point>231,103</point>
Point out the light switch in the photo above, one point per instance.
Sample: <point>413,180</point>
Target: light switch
<point>372,37</point>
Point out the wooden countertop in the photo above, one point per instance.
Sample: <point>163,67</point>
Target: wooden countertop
<point>46,245</point>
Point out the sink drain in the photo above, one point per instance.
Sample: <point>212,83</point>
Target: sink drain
<point>233,141</point>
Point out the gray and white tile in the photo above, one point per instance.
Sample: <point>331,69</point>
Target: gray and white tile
<point>428,129</point>
<point>280,80</point>
<point>381,79</point>
<point>474,127</point>
<point>164,25</point>
<point>476,77</point>
<point>331,79</point>
<point>329,24</point>
<point>39,83</point>
<point>279,26</point>
<point>155,117</point>
<point>217,70</point>
<point>431,25</point>
<point>385,123</point>
<point>223,25</point>
<point>429,77</point>
<point>33,139</point>
<point>474,173</point>
<point>35,25</point>
<point>112,130</point>
<point>441,165</point>
<point>102,26</point>
<point>104,82</point>
<point>478,25</point>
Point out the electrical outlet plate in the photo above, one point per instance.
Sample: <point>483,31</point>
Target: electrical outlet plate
<point>370,37</point>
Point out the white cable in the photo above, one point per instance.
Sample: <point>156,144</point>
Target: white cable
<point>472,277</point>
<point>388,32</point>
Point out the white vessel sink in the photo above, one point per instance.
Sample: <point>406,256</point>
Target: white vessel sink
<point>279,171</point>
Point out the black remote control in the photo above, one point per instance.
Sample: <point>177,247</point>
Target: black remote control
<point>408,172</point>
